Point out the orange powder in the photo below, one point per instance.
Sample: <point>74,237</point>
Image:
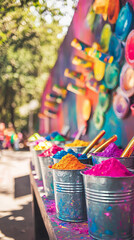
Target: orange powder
<point>69,162</point>
<point>77,143</point>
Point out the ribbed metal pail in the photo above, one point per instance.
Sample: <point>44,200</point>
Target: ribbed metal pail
<point>110,207</point>
<point>31,147</point>
<point>75,149</point>
<point>69,195</point>
<point>37,164</point>
<point>127,161</point>
<point>47,176</point>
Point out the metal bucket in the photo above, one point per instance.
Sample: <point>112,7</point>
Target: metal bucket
<point>59,143</point>
<point>47,176</point>
<point>84,161</point>
<point>110,207</point>
<point>76,149</point>
<point>69,195</point>
<point>31,147</point>
<point>37,164</point>
<point>127,161</point>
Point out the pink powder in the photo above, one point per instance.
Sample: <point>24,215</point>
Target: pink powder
<point>111,151</point>
<point>51,151</point>
<point>41,139</point>
<point>111,167</point>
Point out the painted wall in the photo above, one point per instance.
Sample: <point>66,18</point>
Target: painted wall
<point>70,111</point>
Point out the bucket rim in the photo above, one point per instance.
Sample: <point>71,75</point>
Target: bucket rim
<point>63,156</point>
<point>59,141</point>
<point>43,157</point>
<point>76,147</point>
<point>39,150</point>
<point>67,169</point>
<point>94,154</point>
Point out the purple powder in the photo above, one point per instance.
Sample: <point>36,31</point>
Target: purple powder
<point>111,151</point>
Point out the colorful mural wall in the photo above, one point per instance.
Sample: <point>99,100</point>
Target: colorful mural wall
<point>92,82</point>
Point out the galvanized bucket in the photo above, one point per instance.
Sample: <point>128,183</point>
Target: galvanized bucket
<point>47,176</point>
<point>127,161</point>
<point>75,149</point>
<point>69,195</point>
<point>59,143</point>
<point>84,161</point>
<point>31,147</point>
<point>110,207</point>
<point>37,164</point>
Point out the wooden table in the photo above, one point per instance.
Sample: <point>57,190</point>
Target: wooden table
<point>47,225</point>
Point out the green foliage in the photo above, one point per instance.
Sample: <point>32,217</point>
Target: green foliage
<point>28,50</point>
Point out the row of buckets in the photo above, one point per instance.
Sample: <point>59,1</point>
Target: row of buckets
<point>106,202</point>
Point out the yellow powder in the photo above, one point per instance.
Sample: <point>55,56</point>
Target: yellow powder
<point>77,143</point>
<point>69,162</point>
<point>43,145</point>
<point>39,148</point>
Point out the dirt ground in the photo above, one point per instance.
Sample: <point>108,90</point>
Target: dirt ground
<point>16,218</point>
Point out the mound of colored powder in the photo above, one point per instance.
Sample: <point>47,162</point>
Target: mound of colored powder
<point>42,139</point>
<point>111,167</point>
<point>60,154</point>
<point>78,155</point>
<point>82,156</point>
<point>34,137</point>
<point>43,145</point>
<point>111,151</point>
<point>59,138</point>
<point>77,143</point>
<point>72,152</point>
<point>51,151</point>
<point>36,142</point>
<point>54,134</point>
<point>51,136</point>
<point>69,162</point>
<point>48,138</point>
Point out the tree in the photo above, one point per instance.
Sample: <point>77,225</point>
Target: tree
<point>28,50</point>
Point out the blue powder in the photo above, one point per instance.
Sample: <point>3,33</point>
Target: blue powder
<point>54,134</point>
<point>51,136</point>
<point>62,153</point>
<point>78,155</point>
<point>83,156</point>
<point>48,138</point>
<point>70,151</point>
